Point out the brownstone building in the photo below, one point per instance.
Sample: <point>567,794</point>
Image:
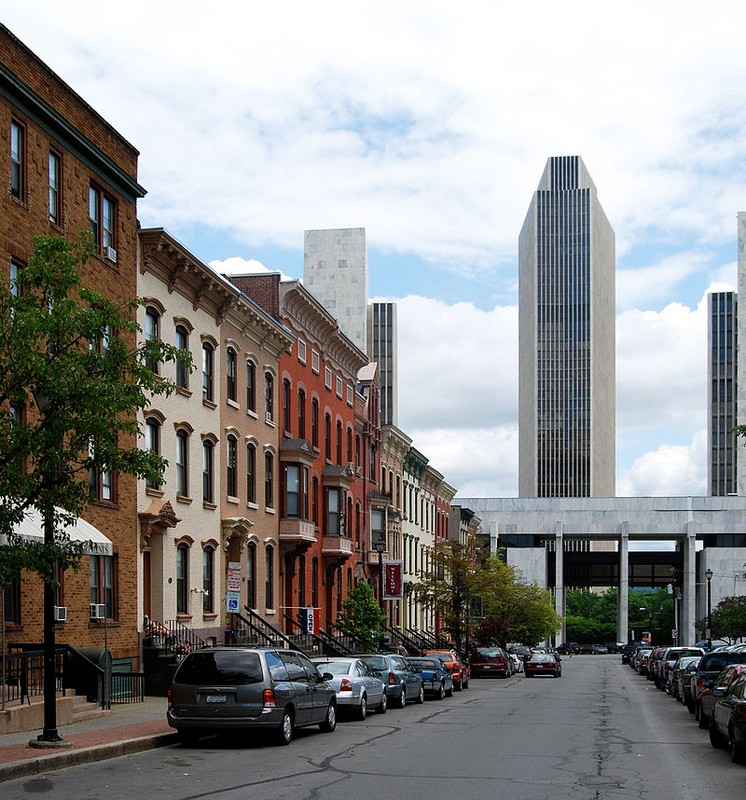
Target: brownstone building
<point>69,171</point>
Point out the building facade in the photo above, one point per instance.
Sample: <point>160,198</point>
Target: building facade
<point>566,339</point>
<point>722,411</point>
<point>383,348</point>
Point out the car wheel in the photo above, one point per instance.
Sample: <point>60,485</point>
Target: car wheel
<point>441,693</point>
<point>330,720</point>
<point>465,684</point>
<point>420,699</point>
<point>285,731</point>
<point>384,704</point>
<point>690,706</point>
<point>716,738</point>
<point>362,709</point>
<point>449,692</point>
<point>704,723</point>
<point>403,697</point>
<point>737,751</point>
<point>457,686</point>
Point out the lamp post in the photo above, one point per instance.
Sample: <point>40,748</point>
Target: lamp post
<point>380,545</point>
<point>708,632</point>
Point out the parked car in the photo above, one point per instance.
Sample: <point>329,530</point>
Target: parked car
<point>684,683</point>
<point>674,674</point>
<point>728,723</point>
<point>221,689</point>
<point>490,661</point>
<point>542,664</point>
<point>517,662</point>
<point>706,700</point>
<point>628,649</point>
<point>402,681</point>
<point>437,681</point>
<point>708,668</point>
<point>458,669</point>
<point>640,660</point>
<point>358,688</point>
<point>568,648</point>
<point>669,659</point>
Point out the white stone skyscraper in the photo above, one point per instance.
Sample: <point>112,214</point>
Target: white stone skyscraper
<point>567,366</point>
<point>335,271</point>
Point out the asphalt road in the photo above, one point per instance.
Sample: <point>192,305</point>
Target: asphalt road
<point>598,733</point>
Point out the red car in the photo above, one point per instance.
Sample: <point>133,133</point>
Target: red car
<point>542,664</point>
<point>490,661</point>
<point>451,661</point>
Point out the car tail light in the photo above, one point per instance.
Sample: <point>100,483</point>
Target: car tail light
<point>345,685</point>
<point>268,698</point>
<point>170,698</point>
<point>392,679</point>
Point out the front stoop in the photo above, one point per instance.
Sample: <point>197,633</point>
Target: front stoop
<point>17,717</point>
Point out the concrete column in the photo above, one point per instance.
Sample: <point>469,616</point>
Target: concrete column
<point>688,617</point>
<point>559,578</point>
<point>622,626</point>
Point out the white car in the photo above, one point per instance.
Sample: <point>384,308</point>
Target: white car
<point>358,687</point>
<point>517,662</point>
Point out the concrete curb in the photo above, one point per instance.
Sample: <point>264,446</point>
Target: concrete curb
<point>83,755</point>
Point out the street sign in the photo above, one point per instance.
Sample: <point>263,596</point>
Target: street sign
<point>234,576</point>
<point>233,602</point>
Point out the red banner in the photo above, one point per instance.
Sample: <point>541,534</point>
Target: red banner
<point>393,583</point>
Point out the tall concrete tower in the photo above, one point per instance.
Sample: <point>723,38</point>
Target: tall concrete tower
<point>383,349</point>
<point>741,360</point>
<point>566,334</point>
<point>335,271</point>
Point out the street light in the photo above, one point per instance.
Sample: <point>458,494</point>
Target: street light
<point>708,575</point>
<point>379,546</point>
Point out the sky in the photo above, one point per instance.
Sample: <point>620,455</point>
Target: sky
<point>429,124</point>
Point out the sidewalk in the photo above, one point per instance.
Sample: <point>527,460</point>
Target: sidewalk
<point>130,728</point>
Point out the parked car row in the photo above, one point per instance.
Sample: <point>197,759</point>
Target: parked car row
<point>241,689</point>
<point>712,686</point>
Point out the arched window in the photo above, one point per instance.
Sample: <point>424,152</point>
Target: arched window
<point>231,452</point>
<point>208,580</point>
<point>208,471</point>
<point>231,368</point>
<point>251,386</point>
<point>315,422</point>
<point>250,473</point>
<point>152,333</point>
<point>301,414</point>
<point>269,390</point>
<point>251,575</point>
<point>153,444</point>
<point>182,579</point>
<point>339,441</point>
<point>208,371</point>
<point>269,581</point>
<point>182,463</point>
<point>182,343</point>
<point>268,480</point>
<point>328,437</point>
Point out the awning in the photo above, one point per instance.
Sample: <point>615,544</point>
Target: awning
<point>95,543</point>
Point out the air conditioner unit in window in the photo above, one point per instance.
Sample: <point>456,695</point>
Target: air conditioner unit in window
<point>97,610</point>
<point>351,467</point>
<point>60,613</point>
<point>111,254</point>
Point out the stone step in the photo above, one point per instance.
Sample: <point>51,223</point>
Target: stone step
<point>84,710</point>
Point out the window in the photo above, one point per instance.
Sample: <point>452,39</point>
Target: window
<point>350,396</point>
<point>208,452</point>
<point>334,512</point>
<point>349,445</point>
<point>315,361</point>
<point>339,441</point>
<point>182,578</point>
<point>269,387</point>
<point>208,580</point>
<point>328,378</point>
<point>315,582</point>
<point>269,584</point>
<point>17,159</point>
<point>231,451</point>
<point>251,575</point>
<point>301,351</point>
<point>302,581</point>
<point>301,414</point>
<point>339,387</point>
<point>328,437</point>
<point>182,463</point>
<point>55,172</point>
<point>315,501</point>
<point>101,583</point>
<point>208,371</point>
<point>152,334</point>
<point>250,473</point>
<point>11,604</point>
<point>99,479</point>
<point>268,482</point>
<point>250,386</point>
<point>152,444</point>
<point>286,405</point>
<point>231,365</point>
<point>315,422</point>
<point>293,493</point>
<point>102,221</point>
<point>182,343</point>
<point>15,289</point>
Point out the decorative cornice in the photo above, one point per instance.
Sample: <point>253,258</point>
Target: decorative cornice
<point>235,528</point>
<point>156,520</point>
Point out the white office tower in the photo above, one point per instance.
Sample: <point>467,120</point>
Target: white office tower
<point>335,271</point>
<point>566,339</point>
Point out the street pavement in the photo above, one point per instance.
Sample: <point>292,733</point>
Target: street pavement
<point>129,728</point>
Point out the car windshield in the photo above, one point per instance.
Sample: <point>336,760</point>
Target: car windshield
<point>488,652</point>
<point>541,657</point>
<point>376,662</point>
<point>716,662</point>
<point>225,667</point>
<point>335,667</point>
<point>424,663</point>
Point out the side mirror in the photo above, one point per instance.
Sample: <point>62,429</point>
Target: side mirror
<point>327,676</point>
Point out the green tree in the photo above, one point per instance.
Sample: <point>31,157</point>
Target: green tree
<point>729,618</point>
<point>71,383</point>
<point>362,617</point>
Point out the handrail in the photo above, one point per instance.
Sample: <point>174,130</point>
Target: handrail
<point>327,644</point>
<point>400,638</point>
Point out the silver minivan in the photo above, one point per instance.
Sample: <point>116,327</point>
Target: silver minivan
<point>221,689</point>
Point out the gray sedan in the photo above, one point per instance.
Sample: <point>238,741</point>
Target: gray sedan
<point>357,687</point>
<point>402,681</point>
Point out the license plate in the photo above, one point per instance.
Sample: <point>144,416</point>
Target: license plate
<point>215,698</point>
<point>487,666</point>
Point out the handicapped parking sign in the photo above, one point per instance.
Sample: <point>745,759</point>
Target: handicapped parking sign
<point>233,602</point>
